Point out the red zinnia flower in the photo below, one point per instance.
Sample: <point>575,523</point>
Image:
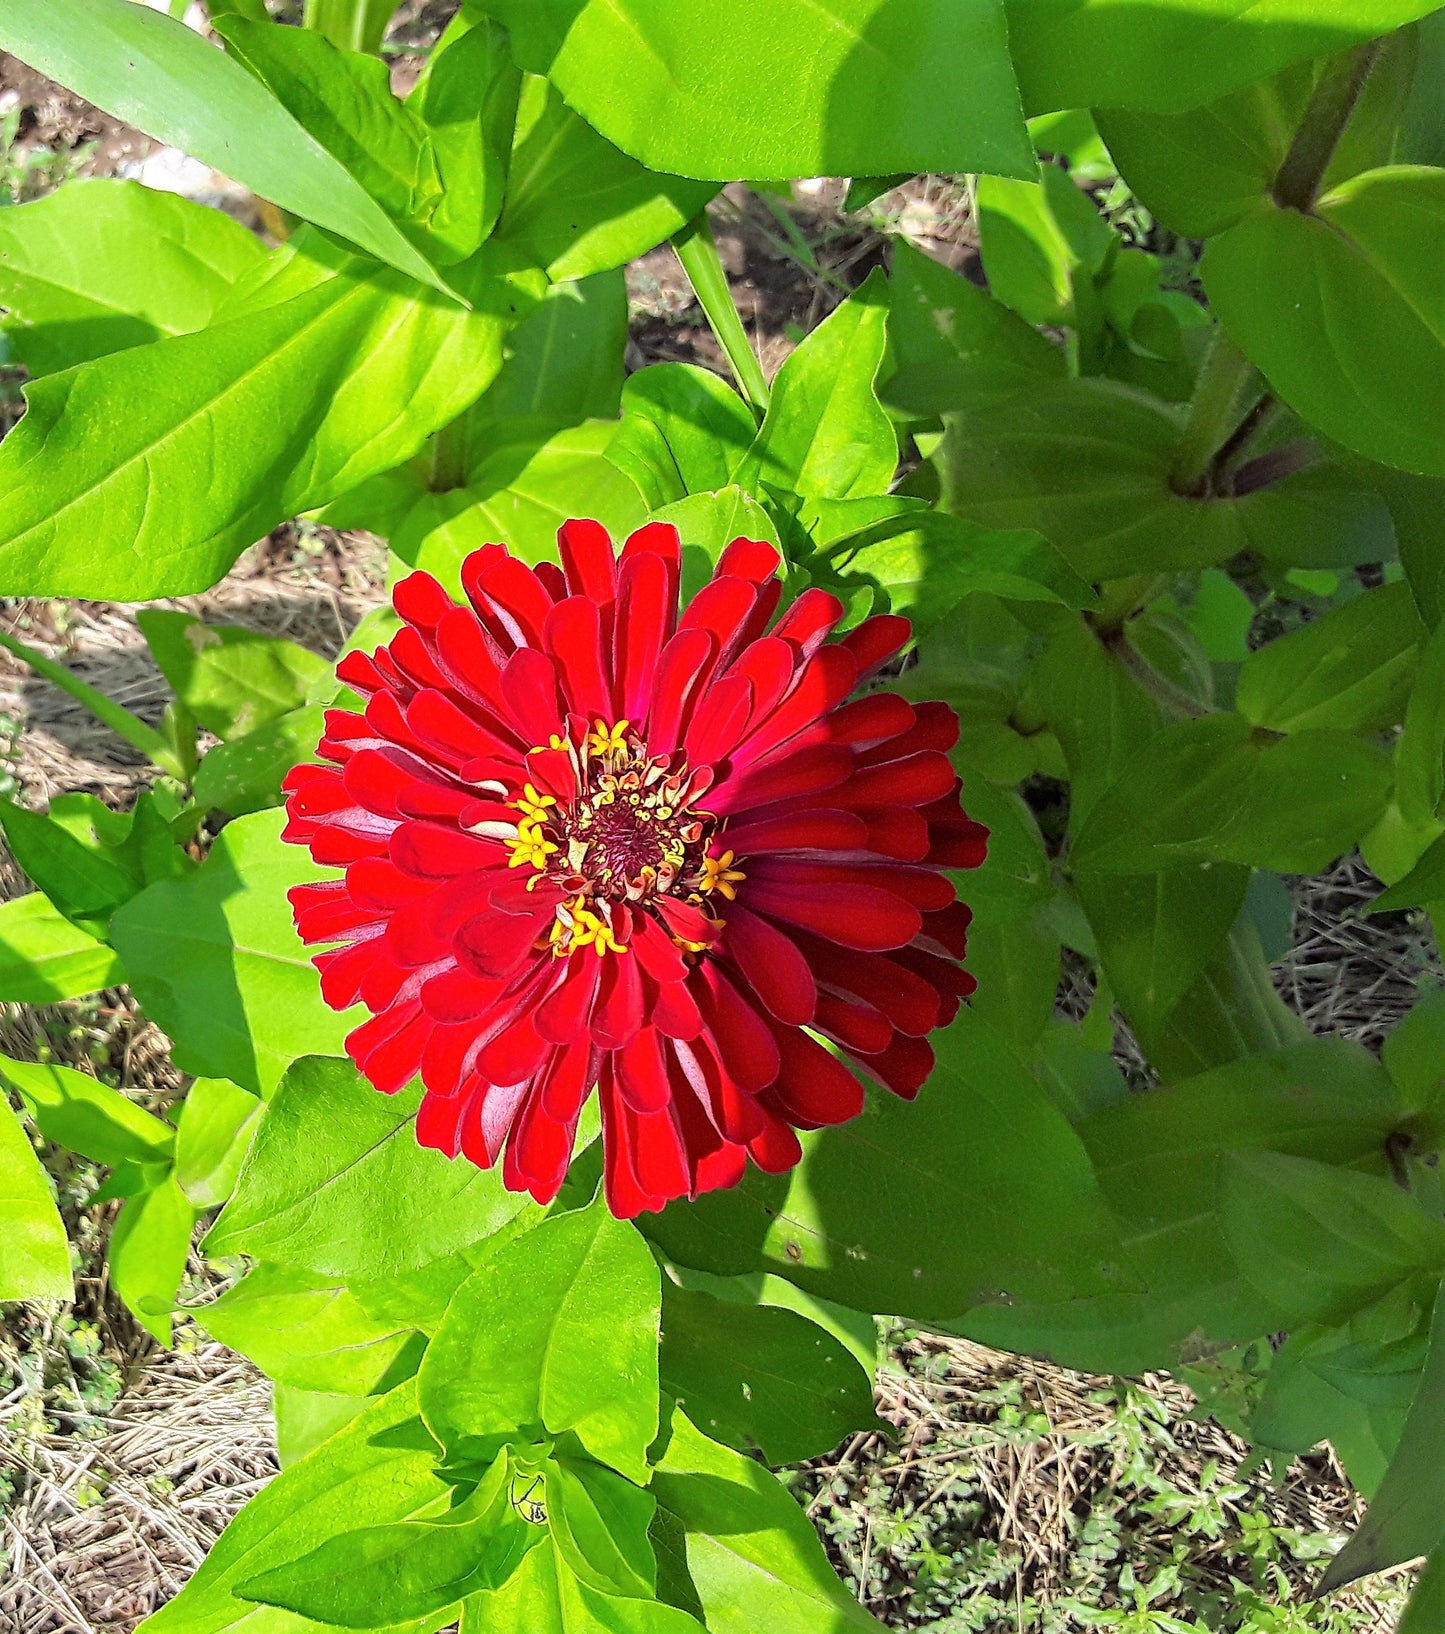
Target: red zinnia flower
<point>590,844</point>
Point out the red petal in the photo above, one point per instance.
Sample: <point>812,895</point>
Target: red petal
<point>588,559</point>
<point>772,966</point>
<point>814,1089</point>
<point>618,1013</point>
<point>810,619</point>
<point>642,1074</point>
<point>508,596</point>
<point>903,1067</point>
<point>854,916</point>
<point>876,640</point>
<point>565,1014</point>
<point>678,671</point>
<point>645,608</point>
<point>573,636</point>
<point>529,685</point>
<point>752,559</point>
<point>819,830</point>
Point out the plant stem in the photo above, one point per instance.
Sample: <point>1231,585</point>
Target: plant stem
<point>698,254</point>
<point>450,456</point>
<point>1213,411</point>
<point>120,720</point>
<point>1297,184</point>
<point>1160,687</point>
<point>1238,441</point>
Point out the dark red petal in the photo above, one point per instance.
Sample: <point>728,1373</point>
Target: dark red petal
<point>813,1088</point>
<point>515,1053</point>
<point>679,670</point>
<point>618,1012</point>
<point>876,640</point>
<point>566,1013</point>
<point>488,1119</point>
<point>588,559</point>
<point>858,1027</point>
<point>818,830</point>
<point>772,966</point>
<point>824,766</point>
<point>935,726</point>
<point>923,888</point>
<point>718,721</point>
<point>903,1067</point>
<point>912,781</point>
<point>854,916</point>
<point>674,1010</point>
<point>904,989</point>
<point>777,1149</point>
<point>810,619</point>
<point>641,1073</point>
<point>529,685</point>
<point>739,1034</point>
<point>388,1047</point>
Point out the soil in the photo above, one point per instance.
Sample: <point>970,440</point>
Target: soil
<point>115,1504</point>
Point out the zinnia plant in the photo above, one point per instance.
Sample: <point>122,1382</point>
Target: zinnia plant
<point>592,843</point>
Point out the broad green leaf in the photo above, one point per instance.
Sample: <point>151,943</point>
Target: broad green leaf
<point>369,1576</point>
<point>35,1262</point>
<point>1406,1517</point>
<point>1157,933</point>
<point>216,961</point>
<point>343,99</point>
<point>577,205</point>
<point>599,1522</point>
<point>155,73</point>
<point>148,1249</point>
<point>1342,311</point>
<point>83,876</point>
<point>530,481</point>
<point>306,1418</point>
<point>379,1469</point>
<point>751,1551</point>
<point>684,431</point>
<point>307,1331</point>
<point>86,1116</point>
<point>231,679</point>
<point>1015,958</point>
<point>1426,1610</point>
<point>1101,54</point>
<point>100,265</point>
<point>1042,243</point>
<point>357,25</point>
<point>110,487</point>
<point>557,1331</point>
<point>1420,750</point>
<point>1217,790</point>
<point>1088,463</point>
<point>1161,1159</point>
<point>245,775</point>
<point>335,1182</point>
<point>1350,669</point>
<point>218,1123</point>
<point>1320,1242</point>
<point>467,99</point>
<point>1414,1052</point>
<point>44,958</point>
<point>825,434</point>
<point>951,340</point>
<point>871,1217</point>
<point>728,88</point>
<point>759,1378</point>
<point>546,1597</point>
<point>926,562</point>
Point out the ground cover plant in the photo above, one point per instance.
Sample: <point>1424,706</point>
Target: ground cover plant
<point>1162,510</point>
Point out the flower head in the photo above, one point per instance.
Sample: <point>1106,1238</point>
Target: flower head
<point>592,844</point>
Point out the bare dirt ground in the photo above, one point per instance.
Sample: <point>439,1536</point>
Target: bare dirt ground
<point>120,1464</point>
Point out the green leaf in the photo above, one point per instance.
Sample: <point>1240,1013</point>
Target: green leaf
<point>1100,55</point>
<point>927,561</point>
<point>306,1418</point>
<point>1350,669</point>
<point>216,961</point>
<point>218,1122</point>
<point>44,958</point>
<point>379,1469</point>
<point>336,1182</point>
<point>1088,462</point>
<point>1341,311</point>
<point>825,434</point>
<point>86,1116</point>
<point>1015,958</point>
<point>951,340</point>
<point>410,1568</point>
<point>576,204</point>
<point>759,1378</point>
<point>157,74</point>
<point>231,679</point>
<point>546,1597</point>
<point>1406,1518</point>
<point>684,431</point>
<point>148,1249</point>
<point>1414,1052</point>
<point>728,88</point>
<point>531,480</point>
<point>343,99</point>
<point>358,25</point>
<point>35,1263</point>
<point>1157,933</point>
<point>1420,751</point>
<point>599,1522</point>
<point>307,1331</point>
<point>1319,1242</point>
<point>558,1331</point>
<point>1217,790</point>
<point>751,1551</point>
<point>245,775</point>
<point>1042,244</point>
<point>100,265</point>
<point>869,1219</point>
<point>80,873</point>
<point>1426,1610</point>
<point>110,486</point>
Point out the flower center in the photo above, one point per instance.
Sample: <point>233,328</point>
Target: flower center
<point>633,833</point>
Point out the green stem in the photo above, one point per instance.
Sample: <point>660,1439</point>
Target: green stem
<point>1213,414</point>
<point>1160,687</point>
<point>450,456</point>
<point>1297,184</point>
<point>120,720</point>
<point>698,255</point>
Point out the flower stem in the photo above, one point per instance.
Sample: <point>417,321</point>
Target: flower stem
<point>698,254</point>
<point>120,720</point>
<point>1213,414</point>
<point>1297,184</point>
